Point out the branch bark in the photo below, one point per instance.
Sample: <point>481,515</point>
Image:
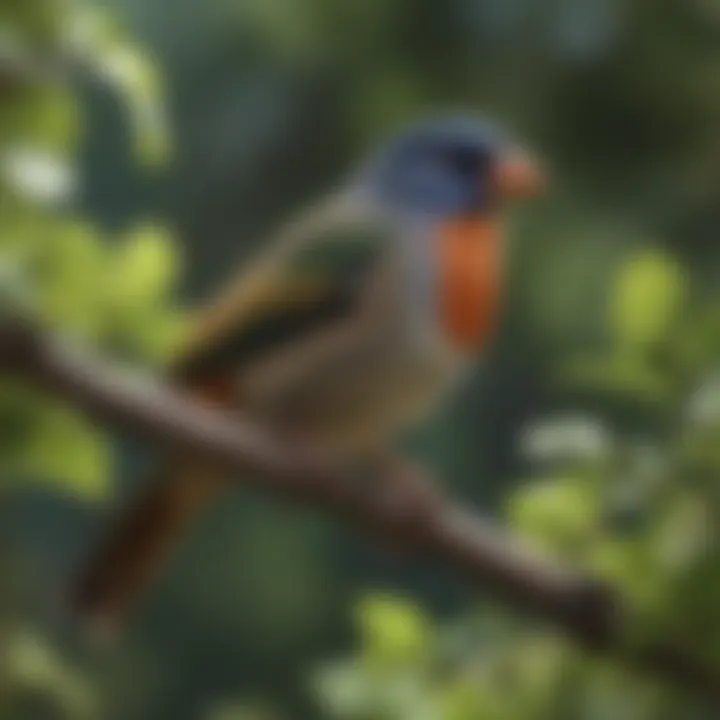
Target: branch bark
<point>587,610</point>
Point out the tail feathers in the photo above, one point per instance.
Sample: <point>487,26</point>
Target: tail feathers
<point>136,550</point>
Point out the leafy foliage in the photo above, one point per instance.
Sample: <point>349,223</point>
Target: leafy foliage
<point>62,270</point>
<point>639,513</point>
<point>37,682</point>
<point>57,265</point>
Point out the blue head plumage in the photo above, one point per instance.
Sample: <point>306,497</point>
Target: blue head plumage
<point>442,166</point>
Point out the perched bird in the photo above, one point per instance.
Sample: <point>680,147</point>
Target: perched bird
<point>351,326</point>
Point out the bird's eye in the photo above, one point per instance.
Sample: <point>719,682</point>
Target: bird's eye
<point>464,160</point>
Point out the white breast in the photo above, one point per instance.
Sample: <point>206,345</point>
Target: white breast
<point>363,380</point>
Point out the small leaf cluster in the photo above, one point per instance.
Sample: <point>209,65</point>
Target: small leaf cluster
<point>109,290</point>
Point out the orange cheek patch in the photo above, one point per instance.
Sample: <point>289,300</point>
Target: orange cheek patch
<point>469,264</point>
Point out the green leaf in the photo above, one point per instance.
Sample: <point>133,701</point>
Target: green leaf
<point>683,533</point>
<point>16,290</point>
<point>20,408</point>
<point>67,453</point>
<point>561,514</point>
<point>95,35</point>
<point>157,337</point>
<point>38,20</point>
<point>145,266</point>
<point>462,700</point>
<point>46,118</point>
<point>32,668</point>
<point>626,564</point>
<point>393,630</point>
<point>648,293</point>
<point>136,78</point>
<point>70,272</point>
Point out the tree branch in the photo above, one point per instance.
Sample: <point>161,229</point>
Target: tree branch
<point>587,610</point>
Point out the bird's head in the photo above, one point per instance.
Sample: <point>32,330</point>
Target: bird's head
<point>459,173</point>
<point>451,167</point>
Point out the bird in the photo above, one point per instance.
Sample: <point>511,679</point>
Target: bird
<point>355,322</point>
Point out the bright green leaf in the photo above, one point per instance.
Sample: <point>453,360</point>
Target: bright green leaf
<point>144,268</point>
<point>562,513</point>
<point>393,630</point>
<point>136,78</point>
<point>647,295</point>
<point>67,453</point>
<point>70,267</point>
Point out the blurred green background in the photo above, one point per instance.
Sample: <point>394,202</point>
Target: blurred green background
<point>188,130</point>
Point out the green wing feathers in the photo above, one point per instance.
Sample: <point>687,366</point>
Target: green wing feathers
<point>283,297</point>
<point>317,284</point>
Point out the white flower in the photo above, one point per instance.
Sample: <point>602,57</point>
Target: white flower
<point>569,437</point>
<point>39,175</point>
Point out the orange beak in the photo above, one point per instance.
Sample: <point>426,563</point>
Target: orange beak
<point>517,177</point>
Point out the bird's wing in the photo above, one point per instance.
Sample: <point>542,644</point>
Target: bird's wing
<point>312,278</point>
<point>312,275</point>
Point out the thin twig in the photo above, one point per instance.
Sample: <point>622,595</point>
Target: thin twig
<point>587,610</point>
